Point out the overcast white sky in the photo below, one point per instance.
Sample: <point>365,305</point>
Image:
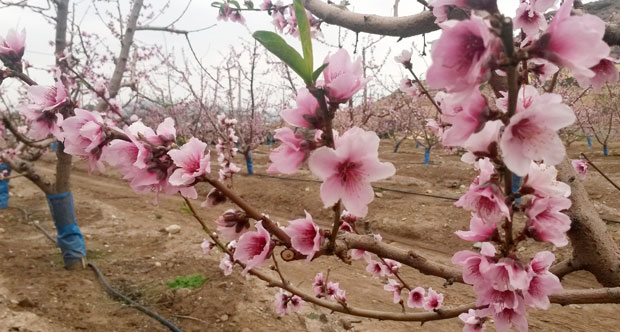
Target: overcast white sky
<point>212,43</point>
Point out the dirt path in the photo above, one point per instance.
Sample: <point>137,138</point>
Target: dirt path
<point>123,237</point>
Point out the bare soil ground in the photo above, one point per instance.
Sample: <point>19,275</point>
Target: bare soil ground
<point>123,237</point>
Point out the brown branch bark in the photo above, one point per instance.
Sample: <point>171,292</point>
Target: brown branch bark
<point>593,246</point>
<point>404,26</point>
<point>25,168</point>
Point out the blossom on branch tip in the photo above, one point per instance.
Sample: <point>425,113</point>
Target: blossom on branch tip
<point>348,170</point>
<point>404,58</point>
<point>343,78</point>
<point>43,109</point>
<point>472,322</point>
<point>479,231</point>
<point>306,236</point>
<point>226,265</point>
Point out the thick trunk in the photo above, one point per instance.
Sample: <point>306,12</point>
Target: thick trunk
<point>593,247</point>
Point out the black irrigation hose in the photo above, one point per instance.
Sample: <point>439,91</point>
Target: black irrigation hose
<point>394,190</point>
<point>117,295</point>
<point>376,187</point>
<point>114,293</point>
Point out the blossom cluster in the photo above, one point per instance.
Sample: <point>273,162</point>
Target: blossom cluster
<point>518,134</point>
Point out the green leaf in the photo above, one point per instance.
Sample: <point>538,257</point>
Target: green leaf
<point>303,25</point>
<point>249,4</point>
<point>278,46</point>
<point>318,72</point>
<point>235,3</point>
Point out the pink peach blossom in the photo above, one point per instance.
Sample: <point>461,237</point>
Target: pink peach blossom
<point>343,78</point>
<point>483,143</point>
<point>506,274</point>
<point>440,7</point>
<point>543,68</point>
<point>532,134</point>
<point>395,287</point>
<point>507,317</point>
<point>318,286</point>
<point>461,55</point>
<point>191,161</point>
<point>416,298</point>
<point>83,136</point>
<point>404,58</point>
<point>42,111</point>
<point>605,72</point>
<point>232,224</point>
<point>433,301</point>
<point>575,42</point>
<point>286,303</point>
<point>390,267</point>
<point>543,282</point>
<point>409,87</point>
<point>291,153</point>
<point>474,264</point>
<point>375,268</point>
<point>13,45</point>
<point>307,114</point>
<point>465,117</point>
<point>486,201</point>
<point>348,170</point>
<point>530,16</point>
<point>479,231</point>
<point>253,248</point>
<point>306,236</point>
<point>541,181</point>
<point>472,322</point>
<point>226,265</point>
<point>206,246</point>
<point>581,168</point>
<point>546,222</point>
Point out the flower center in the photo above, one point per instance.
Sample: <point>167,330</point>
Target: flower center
<point>348,171</point>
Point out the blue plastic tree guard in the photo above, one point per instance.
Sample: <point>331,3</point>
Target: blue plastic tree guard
<point>516,185</point>
<point>589,139</point>
<point>4,187</point>
<point>427,156</point>
<point>605,150</point>
<point>249,163</point>
<point>70,239</point>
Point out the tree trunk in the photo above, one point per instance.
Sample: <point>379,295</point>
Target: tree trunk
<point>593,246</point>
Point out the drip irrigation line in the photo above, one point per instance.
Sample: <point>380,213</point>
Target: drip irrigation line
<point>600,172</point>
<point>111,291</point>
<point>375,187</point>
<point>117,295</point>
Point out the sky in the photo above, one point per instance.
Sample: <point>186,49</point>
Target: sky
<point>211,45</point>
